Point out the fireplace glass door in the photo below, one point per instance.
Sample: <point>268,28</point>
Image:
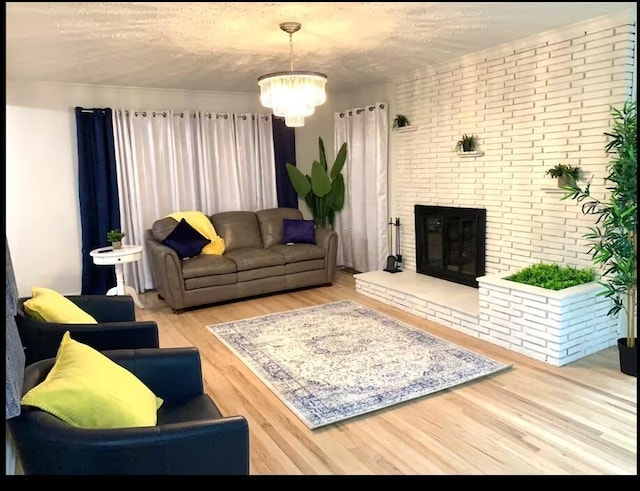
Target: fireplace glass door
<point>450,243</point>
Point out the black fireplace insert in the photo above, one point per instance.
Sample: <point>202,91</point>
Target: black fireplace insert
<point>450,243</point>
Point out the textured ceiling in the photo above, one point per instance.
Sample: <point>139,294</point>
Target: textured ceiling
<point>225,46</point>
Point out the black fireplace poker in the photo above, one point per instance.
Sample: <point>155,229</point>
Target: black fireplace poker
<point>393,262</point>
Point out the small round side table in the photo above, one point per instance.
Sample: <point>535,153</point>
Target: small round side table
<point>108,256</point>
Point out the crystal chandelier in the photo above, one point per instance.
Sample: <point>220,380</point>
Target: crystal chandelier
<point>293,95</point>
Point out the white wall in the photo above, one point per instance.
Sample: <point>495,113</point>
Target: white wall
<point>532,104</point>
<point>43,216</point>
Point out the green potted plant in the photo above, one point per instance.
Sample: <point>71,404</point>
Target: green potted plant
<point>400,121</point>
<point>564,173</point>
<point>552,276</point>
<point>115,236</point>
<point>323,191</point>
<point>614,236</point>
<point>468,143</point>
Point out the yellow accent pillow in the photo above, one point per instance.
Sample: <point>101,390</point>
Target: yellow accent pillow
<point>49,306</point>
<point>202,224</point>
<point>86,389</point>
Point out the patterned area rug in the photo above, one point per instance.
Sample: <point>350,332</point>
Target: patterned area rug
<point>339,360</point>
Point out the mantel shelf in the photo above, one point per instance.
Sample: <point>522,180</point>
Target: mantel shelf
<point>405,129</point>
<point>475,153</point>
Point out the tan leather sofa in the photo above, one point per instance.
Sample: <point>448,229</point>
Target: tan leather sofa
<point>255,261</point>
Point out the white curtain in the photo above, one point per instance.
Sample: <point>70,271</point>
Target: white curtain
<point>170,161</point>
<point>362,223</point>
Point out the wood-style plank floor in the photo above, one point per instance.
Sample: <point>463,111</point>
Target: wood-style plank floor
<point>530,419</point>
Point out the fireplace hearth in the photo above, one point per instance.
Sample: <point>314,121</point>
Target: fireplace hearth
<point>450,243</point>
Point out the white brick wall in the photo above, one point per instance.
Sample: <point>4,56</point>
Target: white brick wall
<point>543,103</point>
<point>556,327</point>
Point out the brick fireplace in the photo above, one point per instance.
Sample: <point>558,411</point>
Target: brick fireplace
<point>450,243</point>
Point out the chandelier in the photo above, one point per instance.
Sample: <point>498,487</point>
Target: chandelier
<point>293,95</point>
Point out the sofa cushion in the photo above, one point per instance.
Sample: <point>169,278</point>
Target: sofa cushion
<point>302,266</point>
<point>198,407</point>
<point>207,265</point>
<point>211,280</point>
<point>299,231</point>
<point>88,390</point>
<point>48,305</point>
<point>201,223</point>
<point>250,258</point>
<point>239,229</point>
<point>295,253</point>
<point>186,240</point>
<point>259,273</point>
<point>271,223</point>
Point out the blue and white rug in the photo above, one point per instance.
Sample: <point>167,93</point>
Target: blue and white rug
<point>339,360</point>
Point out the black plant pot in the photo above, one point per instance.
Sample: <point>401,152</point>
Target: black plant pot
<point>628,357</point>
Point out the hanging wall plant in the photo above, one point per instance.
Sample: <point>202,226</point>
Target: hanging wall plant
<point>468,143</point>
<point>400,121</point>
<point>564,173</point>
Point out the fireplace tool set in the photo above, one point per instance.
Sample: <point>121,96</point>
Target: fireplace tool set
<point>393,262</point>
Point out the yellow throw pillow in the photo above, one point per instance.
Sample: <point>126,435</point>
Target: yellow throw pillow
<point>49,306</point>
<point>202,224</point>
<point>86,389</point>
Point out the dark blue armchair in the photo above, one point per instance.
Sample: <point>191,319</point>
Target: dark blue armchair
<point>117,328</point>
<point>191,437</point>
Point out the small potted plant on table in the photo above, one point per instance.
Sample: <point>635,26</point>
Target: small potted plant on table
<point>115,236</point>
<point>564,173</point>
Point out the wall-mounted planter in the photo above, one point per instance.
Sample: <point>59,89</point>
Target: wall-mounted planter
<point>473,153</point>
<point>556,327</point>
<point>405,129</point>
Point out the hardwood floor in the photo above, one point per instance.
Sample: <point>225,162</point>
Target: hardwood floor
<point>531,419</point>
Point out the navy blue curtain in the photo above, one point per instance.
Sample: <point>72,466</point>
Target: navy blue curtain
<point>98,189</point>
<point>284,148</point>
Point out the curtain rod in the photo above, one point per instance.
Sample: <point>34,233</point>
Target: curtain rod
<point>206,113</point>
<point>359,110</point>
<point>91,110</point>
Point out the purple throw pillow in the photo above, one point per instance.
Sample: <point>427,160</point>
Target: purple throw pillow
<point>299,231</point>
<point>185,240</point>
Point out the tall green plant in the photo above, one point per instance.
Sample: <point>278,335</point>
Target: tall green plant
<point>322,191</point>
<point>614,236</point>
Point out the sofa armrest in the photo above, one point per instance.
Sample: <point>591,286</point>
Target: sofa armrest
<point>324,236</point>
<point>106,308</point>
<point>166,268</point>
<point>174,374</point>
<point>328,239</point>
